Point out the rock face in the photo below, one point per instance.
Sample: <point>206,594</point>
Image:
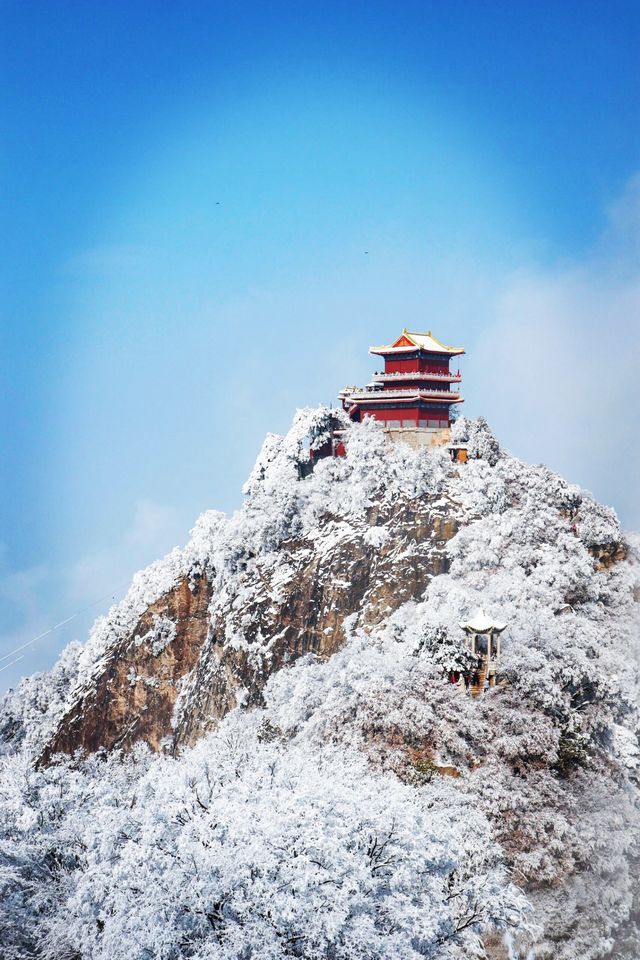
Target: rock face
<point>298,604</point>
<point>210,653</point>
<point>312,555</point>
<point>133,697</point>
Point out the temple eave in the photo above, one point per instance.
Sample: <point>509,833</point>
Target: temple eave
<point>408,398</point>
<point>394,351</point>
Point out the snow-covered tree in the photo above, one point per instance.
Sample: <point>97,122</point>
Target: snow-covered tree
<point>366,808</point>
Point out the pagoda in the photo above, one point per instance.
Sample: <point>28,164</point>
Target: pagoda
<point>413,393</point>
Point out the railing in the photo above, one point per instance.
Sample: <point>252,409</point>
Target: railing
<point>399,388</point>
<point>429,372</point>
<point>396,392</point>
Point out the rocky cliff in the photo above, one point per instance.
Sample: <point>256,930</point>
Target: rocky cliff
<point>132,696</point>
<point>213,639</point>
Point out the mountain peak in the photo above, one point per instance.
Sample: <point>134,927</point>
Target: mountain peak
<point>332,620</point>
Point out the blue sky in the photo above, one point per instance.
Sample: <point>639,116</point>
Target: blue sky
<point>187,195</point>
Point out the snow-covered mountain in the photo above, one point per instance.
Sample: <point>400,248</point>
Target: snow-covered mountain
<point>258,752</point>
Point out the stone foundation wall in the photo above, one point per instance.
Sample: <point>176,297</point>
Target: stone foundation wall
<point>420,436</point>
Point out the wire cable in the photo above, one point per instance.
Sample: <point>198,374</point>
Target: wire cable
<point>56,626</point>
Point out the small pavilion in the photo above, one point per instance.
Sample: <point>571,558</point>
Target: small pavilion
<point>483,640</point>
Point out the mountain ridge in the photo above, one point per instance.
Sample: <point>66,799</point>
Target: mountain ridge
<point>323,616</point>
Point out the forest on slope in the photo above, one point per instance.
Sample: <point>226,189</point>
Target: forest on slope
<point>258,752</point>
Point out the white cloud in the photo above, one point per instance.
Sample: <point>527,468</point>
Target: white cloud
<point>556,367</point>
<point>153,530</point>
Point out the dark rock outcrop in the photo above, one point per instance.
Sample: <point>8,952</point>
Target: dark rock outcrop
<point>325,582</point>
<point>193,656</point>
<point>133,697</point>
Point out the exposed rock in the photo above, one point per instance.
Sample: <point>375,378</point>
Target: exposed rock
<point>298,604</point>
<point>608,554</point>
<point>285,605</point>
<point>133,697</point>
<point>232,619</point>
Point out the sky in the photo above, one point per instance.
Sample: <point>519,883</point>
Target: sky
<point>209,212</point>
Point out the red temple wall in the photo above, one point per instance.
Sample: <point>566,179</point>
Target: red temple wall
<point>416,364</point>
<point>412,413</point>
<point>410,384</point>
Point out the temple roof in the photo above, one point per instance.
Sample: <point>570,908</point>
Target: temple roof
<point>422,341</point>
<point>481,623</point>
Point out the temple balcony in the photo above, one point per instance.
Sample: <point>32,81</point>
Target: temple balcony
<point>445,377</point>
<point>375,386</point>
<point>375,394</point>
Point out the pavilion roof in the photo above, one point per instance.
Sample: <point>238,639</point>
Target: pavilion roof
<point>481,623</point>
<point>408,341</point>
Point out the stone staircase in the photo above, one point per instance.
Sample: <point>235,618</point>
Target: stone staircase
<point>477,688</point>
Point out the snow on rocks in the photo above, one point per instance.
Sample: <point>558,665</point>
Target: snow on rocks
<point>353,802</point>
